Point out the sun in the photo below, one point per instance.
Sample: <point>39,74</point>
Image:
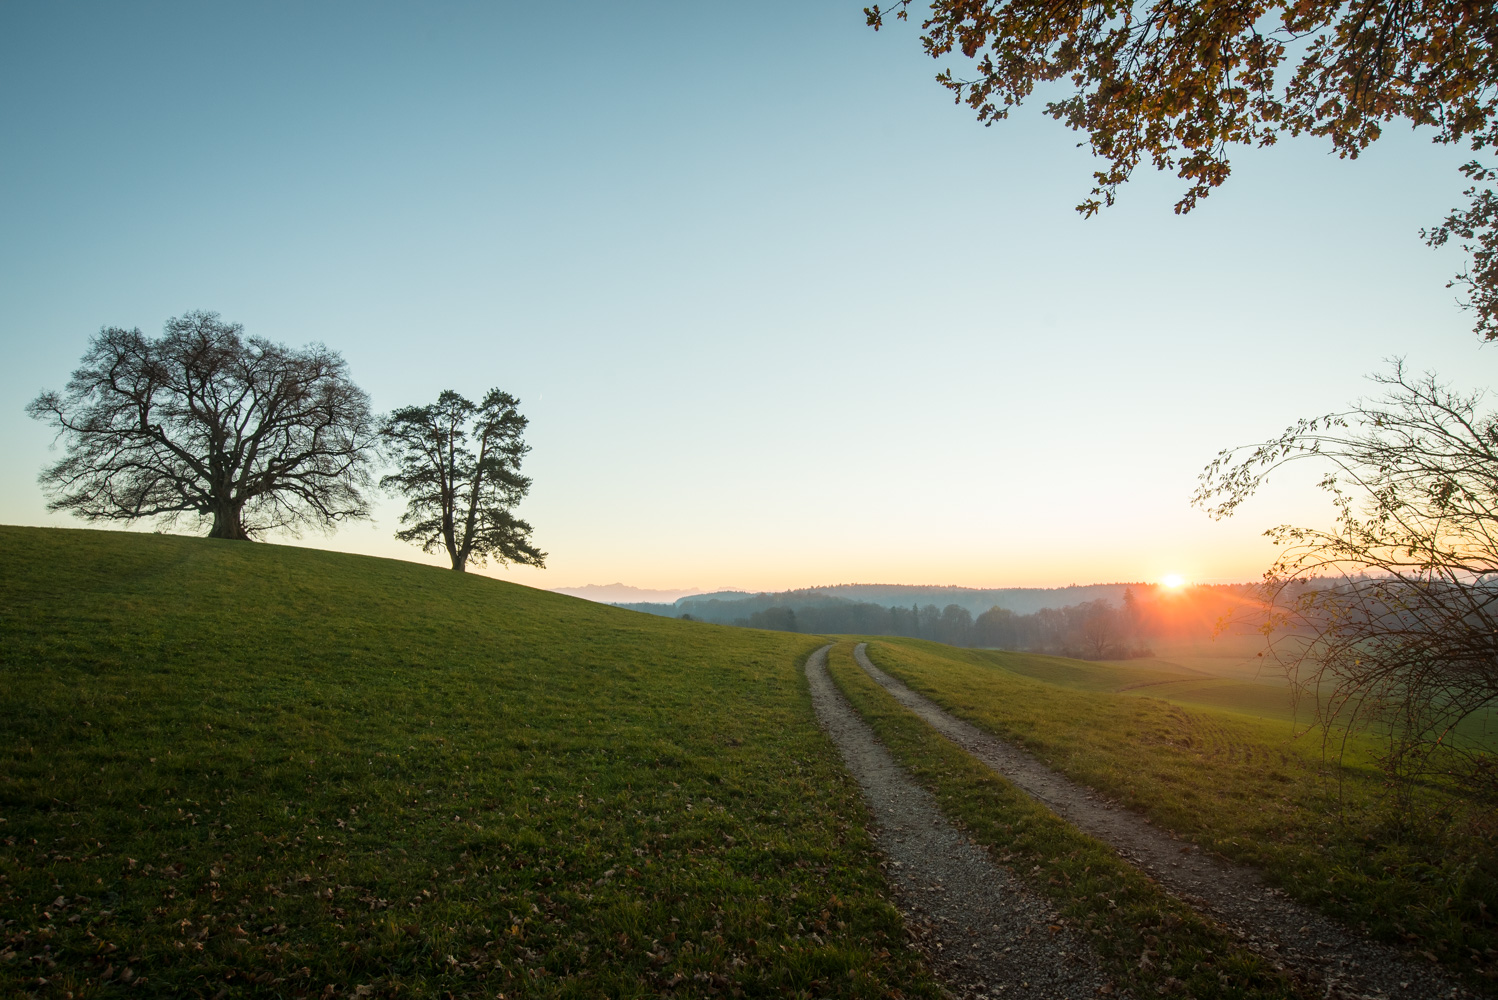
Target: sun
<point>1174,581</point>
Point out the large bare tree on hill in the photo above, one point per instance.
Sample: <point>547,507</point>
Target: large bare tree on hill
<point>201,422</point>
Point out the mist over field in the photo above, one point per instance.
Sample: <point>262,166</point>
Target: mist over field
<point>974,600</point>
<point>618,593</point>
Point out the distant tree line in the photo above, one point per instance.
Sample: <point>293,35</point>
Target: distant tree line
<point>1098,629</point>
<point>1021,600</point>
<point>1094,630</point>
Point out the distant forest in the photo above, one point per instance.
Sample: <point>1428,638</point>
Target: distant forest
<point>1098,629</point>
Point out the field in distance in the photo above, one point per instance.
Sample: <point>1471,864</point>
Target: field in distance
<point>1232,673</point>
<point>1184,672</point>
<point>231,768</point>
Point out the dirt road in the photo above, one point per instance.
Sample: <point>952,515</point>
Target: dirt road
<point>984,932</point>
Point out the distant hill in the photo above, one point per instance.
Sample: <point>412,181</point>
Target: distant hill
<point>1094,621</point>
<point>1020,600</point>
<point>728,606</point>
<point>619,593</point>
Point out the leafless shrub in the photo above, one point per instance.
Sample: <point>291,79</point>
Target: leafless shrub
<point>1387,622</point>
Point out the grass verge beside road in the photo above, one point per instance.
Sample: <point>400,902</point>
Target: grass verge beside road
<point>1323,831</point>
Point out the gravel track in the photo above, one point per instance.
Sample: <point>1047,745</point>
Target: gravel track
<point>1343,963</point>
<point>985,934</point>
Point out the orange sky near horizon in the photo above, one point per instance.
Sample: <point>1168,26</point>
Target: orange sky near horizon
<point>1199,550</point>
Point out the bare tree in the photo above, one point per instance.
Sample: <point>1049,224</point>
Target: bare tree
<point>1389,619</point>
<point>204,423</point>
<point>459,469</point>
<point>1096,625</point>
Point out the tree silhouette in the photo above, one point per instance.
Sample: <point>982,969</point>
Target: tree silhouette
<point>204,423</point>
<point>458,465</point>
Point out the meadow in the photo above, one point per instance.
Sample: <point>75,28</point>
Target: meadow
<point>243,769</point>
<point>1227,675</point>
<point>1236,673</point>
<point>1320,821</point>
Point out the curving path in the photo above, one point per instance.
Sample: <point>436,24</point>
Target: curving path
<point>983,931</point>
<point>1344,963</point>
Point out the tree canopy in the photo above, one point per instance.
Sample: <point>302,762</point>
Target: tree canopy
<point>1178,83</point>
<point>202,422</point>
<point>458,465</point>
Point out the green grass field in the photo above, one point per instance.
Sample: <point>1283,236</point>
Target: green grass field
<point>1266,695</point>
<point>1235,673</point>
<point>1321,829</point>
<point>1228,655</point>
<point>231,769</point>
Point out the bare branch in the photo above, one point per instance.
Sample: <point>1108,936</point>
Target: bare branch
<point>1388,620</point>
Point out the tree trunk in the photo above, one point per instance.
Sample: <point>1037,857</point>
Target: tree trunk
<point>456,554</point>
<point>227,523</point>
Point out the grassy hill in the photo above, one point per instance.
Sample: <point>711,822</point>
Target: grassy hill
<point>261,769</point>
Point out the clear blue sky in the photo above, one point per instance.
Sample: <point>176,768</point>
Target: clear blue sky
<point>779,312</point>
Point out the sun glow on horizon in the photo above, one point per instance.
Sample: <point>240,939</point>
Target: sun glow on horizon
<point>1173,581</point>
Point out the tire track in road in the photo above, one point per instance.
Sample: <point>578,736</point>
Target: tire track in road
<point>984,932</point>
<point>1346,964</point>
